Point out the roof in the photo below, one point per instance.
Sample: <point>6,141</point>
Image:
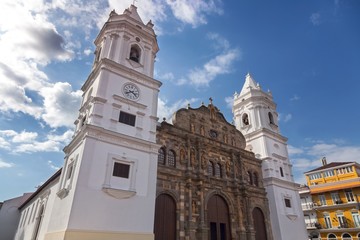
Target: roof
<point>249,84</point>
<point>52,178</point>
<point>330,165</point>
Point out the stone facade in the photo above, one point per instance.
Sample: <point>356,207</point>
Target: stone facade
<point>202,155</point>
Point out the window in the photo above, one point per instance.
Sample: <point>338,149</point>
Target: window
<point>256,181</point>
<point>322,200</point>
<point>70,171</point>
<point>281,172</point>
<point>161,156</point>
<point>329,173</point>
<point>332,236</point>
<point>83,121</point>
<point>135,53</point>
<point>344,170</point>
<point>218,170</point>
<point>271,118</point>
<point>250,179</point>
<point>171,158</point>
<point>287,202</point>
<point>335,198</point>
<point>121,170</point>
<point>315,176</point>
<point>327,220</point>
<point>210,168</point>
<point>127,118</point>
<point>38,222</point>
<point>346,236</point>
<point>356,218</point>
<point>245,119</point>
<point>349,195</point>
<point>342,220</point>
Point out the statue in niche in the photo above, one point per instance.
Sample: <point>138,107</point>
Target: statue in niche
<point>225,138</point>
<point>228,168</point>
<point>192,157</point>
<point>202,131</point>
<point>192,128</point>
<point>182,156</point>
<point>203,161</point>
<point>193,206</point>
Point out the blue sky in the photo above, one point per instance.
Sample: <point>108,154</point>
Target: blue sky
<point>306,52</point>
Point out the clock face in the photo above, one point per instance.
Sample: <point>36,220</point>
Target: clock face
<point>131,91</point>
<point>213,134</point>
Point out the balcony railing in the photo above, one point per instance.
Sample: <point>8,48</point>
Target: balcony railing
<point>307,206</point>
<point>310,225</point>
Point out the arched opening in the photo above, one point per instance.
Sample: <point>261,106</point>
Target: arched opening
<point>171,158</point>
<point>218,218</point>
<point>38,222</point>
<point>245,119</point>
<point>135,53</point>
<point>256,179</point>
<point>271,118</point>
<point>211,168</point>
<point>250,179</point>
<point>259,224</point>
<point>332,236</point>
<point>161,156</point>
<point>218,170</point>
<point>165,218</point>
<point>346,236</point>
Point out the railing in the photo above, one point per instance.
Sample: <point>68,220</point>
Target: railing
<point>310,225</point>
<point>307,206</point>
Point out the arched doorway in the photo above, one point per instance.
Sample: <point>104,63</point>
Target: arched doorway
<point>218,219</point>
<point>165,218</point>
<point>259,224</point>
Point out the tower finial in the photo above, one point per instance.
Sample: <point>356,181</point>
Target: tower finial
<point>134,2</point>
<point>211,100</point>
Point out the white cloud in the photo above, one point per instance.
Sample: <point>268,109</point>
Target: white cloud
<point>221,64</point>
<point>229,101</point>
<point>294,150</point>
<point>166,111</point>
<point>26,142</point>
<point>88,51</point>
<point>285,118</point>
<point>52,166</point>
<point>21,137</point>
<point>5,164</point>
<point>295,98</point>
<point>307,158</point>
<point>193,12</point>
<point>218,65</point>
<point>60,104</point>
<point>315,19</point>
<point>166,76</point>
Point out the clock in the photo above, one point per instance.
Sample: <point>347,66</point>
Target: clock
<point>213,134</point>
<point>131,91</point>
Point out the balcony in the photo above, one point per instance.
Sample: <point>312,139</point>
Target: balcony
<point>337,205</point>
<point>311,225</point>
<point>307,206</point>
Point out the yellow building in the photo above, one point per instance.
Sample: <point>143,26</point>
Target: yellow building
<point>335,191</point>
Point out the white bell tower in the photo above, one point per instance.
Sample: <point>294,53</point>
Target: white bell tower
<point>108,183</point>
<point>256,117</point>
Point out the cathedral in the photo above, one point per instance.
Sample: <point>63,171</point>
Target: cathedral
<point>128,176</point>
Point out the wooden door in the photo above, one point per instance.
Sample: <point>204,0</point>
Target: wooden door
<point>218,219</point>
<point>259,224</point>
<point>165,218</point>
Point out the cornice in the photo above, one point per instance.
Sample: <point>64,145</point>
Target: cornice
<point>123,71</point>
<point>260,133</point>
<point>114,138</point>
